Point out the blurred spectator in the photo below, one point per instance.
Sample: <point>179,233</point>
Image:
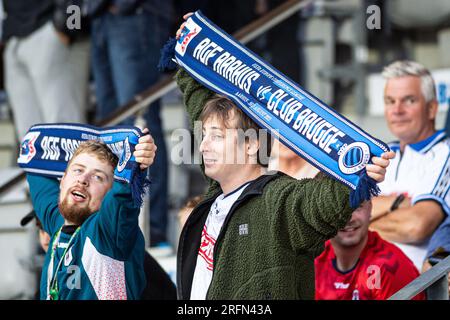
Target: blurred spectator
<point>282,45</point>
<point>414,196</point>
<point>44,238</point>
<point>46,63</point>
<point>230,15</point>
<point>439,246</point>
<point>44,241</point>
<point>279,45</point>
<point>159,285</point>
<point>127,36</point>
<point>358,265</point>
<point>285,160</point>
<point>184,212</point>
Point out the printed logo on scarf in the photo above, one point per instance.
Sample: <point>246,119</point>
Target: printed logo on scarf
<point>27,149</point>
<point>189,32</point>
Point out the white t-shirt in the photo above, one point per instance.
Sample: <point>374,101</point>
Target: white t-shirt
<point>423,173</point>
<point>216,217</point>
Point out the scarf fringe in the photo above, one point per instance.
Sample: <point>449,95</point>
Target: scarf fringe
<point>266,90</point>
<point>365,190</point>
<point>139,184</point>
<point>166,62</point>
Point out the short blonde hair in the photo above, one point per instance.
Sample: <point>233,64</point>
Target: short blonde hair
<point>97,148</point>
<point>405,68</point>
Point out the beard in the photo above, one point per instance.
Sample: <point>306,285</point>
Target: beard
<point>72,213</point>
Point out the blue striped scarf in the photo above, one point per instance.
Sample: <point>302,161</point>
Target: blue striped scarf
<point>47,148</point>
<point>300,120</point>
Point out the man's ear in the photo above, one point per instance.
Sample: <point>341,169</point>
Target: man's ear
<point>432,109</point>
<point>252,147</point>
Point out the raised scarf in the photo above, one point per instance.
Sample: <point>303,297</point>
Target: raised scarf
<point>306,125</point>
<point>47,148</point>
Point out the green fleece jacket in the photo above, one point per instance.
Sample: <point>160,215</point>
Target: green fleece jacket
<point>287,223</point>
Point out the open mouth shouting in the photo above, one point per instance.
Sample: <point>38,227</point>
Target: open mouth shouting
<point>79,195</point>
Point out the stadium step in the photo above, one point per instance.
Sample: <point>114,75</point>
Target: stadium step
<point>17,244</point>
<point>8,143</point>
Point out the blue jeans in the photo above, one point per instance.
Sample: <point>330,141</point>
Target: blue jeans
<point>125,53</point>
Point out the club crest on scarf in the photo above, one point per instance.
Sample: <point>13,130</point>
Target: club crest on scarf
<point>27,149</point>
<point>353,158</point>
<point>189,32</point>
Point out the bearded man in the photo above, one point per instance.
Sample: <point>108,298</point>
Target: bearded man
<point>96,249</point>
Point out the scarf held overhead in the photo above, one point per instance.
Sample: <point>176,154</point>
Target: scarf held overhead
<point>47,148</point>
<point>301,121</point>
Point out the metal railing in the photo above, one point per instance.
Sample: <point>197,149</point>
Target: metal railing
<point>143,100</point>
<point>434,282</point>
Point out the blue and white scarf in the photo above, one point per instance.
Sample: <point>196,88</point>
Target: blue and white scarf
<point>301,121</point>
<point>47,148</point>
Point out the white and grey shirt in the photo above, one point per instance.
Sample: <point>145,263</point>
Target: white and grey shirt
<point>422,172</point>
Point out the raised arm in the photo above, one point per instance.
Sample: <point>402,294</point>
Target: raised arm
<point>313,210</point>
<point>118,218</point>
<point>117,227</point>
<point>308,211</point>
<point>195,95</point>
<point>44,196</point>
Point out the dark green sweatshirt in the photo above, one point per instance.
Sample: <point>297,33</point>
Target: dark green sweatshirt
<point>287,220</point>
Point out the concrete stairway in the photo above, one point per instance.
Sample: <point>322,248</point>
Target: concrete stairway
<point>18,245</point>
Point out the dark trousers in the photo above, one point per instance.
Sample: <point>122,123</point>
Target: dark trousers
<point>125,53</point>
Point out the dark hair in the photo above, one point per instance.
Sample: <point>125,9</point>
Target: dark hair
<point>224,109</point>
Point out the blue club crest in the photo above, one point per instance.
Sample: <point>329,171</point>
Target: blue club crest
<point>354,158</point>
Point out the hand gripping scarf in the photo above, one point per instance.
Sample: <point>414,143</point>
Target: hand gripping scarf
<point>301,121</point>
<point>47,148</point>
